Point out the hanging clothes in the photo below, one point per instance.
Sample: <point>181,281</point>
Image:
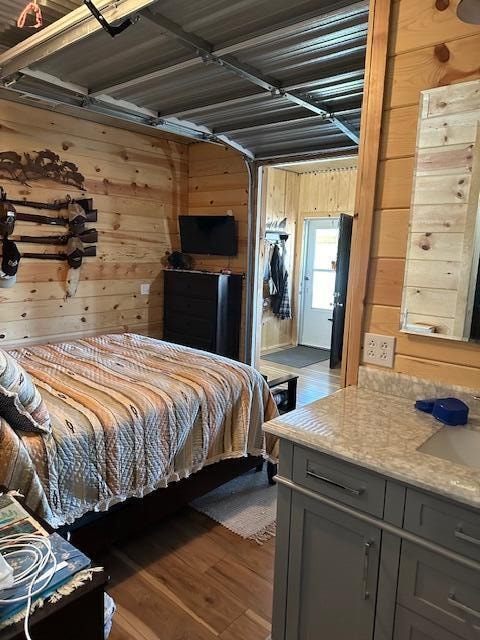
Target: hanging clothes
<point>280,300</point>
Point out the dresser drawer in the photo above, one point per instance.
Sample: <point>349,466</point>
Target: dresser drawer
<point>410,626</point>
<point>190,326</point>
<point>449,525</point>
<point>198,307</point>
<point>187,340</point>
<point>440,590</point>
<point>339,480</point>
<point>199,285</point>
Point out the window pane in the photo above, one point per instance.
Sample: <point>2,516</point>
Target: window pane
<point>326,242</point>
<point>323,289</point>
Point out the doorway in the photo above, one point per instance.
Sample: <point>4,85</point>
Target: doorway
<point>306,213</point>
<point>324,279</point>
<point>318,282</point>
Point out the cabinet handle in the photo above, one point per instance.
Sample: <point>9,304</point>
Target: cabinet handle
<point>343,487</point>
<point>463,607</point>
<point>366,563</point>
<point>458,533</point>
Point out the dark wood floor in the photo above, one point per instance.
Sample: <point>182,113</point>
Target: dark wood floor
<point>191,579</point>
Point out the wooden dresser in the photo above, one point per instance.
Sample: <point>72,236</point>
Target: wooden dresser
<point>203,310</point>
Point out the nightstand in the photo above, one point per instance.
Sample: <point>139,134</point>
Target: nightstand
<point>78,616</point>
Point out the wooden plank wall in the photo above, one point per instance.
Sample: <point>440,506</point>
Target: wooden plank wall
<point>281,201</point>
<point>139,185</point>
<point>326,193</point>
<point>428,48</point>
<point>217,184</point>
<point>444,210</point>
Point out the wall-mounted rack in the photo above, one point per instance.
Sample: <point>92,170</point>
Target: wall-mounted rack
<point>276,234</point>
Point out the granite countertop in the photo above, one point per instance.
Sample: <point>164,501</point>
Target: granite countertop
<point>381,433</point>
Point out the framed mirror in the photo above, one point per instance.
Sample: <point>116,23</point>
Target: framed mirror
<point>441,292</point>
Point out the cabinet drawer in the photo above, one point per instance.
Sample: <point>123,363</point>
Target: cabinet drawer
<point>449,525</point>
<point>441,590</point>
<point>200,285</point>
<point>187,340</point>
<point>190,326</point>
<point>339,480</point>
<point>410,626</point>
<point>176,306</point>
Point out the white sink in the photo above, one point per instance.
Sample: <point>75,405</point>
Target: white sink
<point>456,444</point>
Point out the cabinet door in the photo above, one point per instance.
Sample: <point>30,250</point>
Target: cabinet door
<point>333,574</point>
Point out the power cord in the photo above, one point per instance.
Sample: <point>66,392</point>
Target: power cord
<point>38,565</point>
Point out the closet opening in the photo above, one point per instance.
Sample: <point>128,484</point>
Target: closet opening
<point>305,212</point>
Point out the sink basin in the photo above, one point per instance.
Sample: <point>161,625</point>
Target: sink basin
<point>456,444</point>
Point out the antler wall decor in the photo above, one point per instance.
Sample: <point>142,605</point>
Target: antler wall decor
<point>39,165</point>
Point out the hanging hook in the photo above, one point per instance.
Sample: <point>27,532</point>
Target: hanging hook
<point>31,8</point>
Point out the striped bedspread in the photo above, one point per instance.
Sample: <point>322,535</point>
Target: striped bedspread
<point>129,414</point>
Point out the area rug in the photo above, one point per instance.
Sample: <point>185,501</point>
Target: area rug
<point>299,356</point>
<point>246,505</point>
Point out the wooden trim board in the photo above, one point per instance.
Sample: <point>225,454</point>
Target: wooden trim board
<point>375,69</point>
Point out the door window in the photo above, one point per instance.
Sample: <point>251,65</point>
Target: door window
<point>323,285</point>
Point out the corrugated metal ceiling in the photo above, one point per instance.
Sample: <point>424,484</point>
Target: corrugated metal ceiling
<point>312,53</point>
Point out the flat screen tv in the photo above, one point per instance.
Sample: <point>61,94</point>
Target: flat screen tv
<point>209,235</point>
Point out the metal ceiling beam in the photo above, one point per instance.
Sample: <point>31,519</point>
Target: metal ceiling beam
<point>253,126</point>
<point>72,28</point>
<point>309,84</point>
<point>356,12</point>
<point>295,157</point>
<point>204,50</point>
<point>76,95</point>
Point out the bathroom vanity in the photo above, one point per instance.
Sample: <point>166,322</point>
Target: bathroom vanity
<point>376,539</point>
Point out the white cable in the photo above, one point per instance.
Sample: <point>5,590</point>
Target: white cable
<point>36,549</point>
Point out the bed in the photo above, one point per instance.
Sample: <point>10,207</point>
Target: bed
<point>129,415</point>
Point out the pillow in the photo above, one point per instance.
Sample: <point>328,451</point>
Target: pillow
<point>21,404</point>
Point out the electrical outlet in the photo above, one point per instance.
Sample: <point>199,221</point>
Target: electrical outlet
<point>145,289</point>
<point>379,350</point>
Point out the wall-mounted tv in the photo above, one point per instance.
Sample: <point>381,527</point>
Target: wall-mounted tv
<point>209,235</point>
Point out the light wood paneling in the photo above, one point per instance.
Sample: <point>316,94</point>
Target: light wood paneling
<point>369,153</point>
<point>412,72</point>
<point>281,193</point>
<point>327,193</point>
<point>139,186</point>
<point>385,281</point>
<point>446,176</point>
<point>420,37</point>
<point>390,233</point>
<point>218,184</point>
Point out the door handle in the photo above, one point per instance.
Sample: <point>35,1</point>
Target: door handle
<point>458,533</point>
<point>338,485</point>
<point>366,565</point>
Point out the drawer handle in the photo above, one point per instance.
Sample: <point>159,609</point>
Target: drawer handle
<point>463,607</point>
<point>343,487</point>
<point>366,564</point>
<point>466,538</point>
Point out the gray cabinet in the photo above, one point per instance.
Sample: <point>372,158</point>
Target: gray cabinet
<point>409,626</point>
<point>333,569</point>
<point>362,557</point>
<point>441,590</point>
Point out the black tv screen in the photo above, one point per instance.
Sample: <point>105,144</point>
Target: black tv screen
<point>210,235</point>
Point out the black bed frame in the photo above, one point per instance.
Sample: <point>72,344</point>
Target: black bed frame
<point>96,531</point>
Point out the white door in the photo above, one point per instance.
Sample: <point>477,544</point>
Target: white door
<point>320,243</point>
